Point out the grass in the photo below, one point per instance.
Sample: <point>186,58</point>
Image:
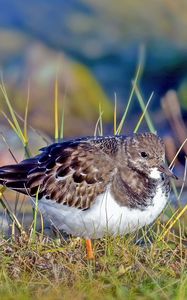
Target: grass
<point>150,264</point>
<point>121,270</point>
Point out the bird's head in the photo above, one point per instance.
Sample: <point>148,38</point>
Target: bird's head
<point>146,153</point>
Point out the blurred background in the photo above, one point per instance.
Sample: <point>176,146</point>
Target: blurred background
<point>93,47</point>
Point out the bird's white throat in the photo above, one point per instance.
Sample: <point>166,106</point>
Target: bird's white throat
<point>155,173</point>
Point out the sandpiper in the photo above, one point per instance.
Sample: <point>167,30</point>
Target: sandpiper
<point>91,186</point>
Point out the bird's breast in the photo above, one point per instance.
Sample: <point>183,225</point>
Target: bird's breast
<point>105,216</point>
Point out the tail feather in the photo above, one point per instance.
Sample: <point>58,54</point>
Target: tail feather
<point>16,176</point>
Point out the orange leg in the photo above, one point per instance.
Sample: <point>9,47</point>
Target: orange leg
<point>89,249</point>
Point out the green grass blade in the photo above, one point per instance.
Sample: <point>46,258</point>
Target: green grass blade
<point>56,110</point>
<point>11,215</point>
<point>100,120</point>
<point>11,125</point>
<point>135,81</point>
<point>115,113</point>
<point>97,124</point>
<point>62,115</point>
<point>26,115</point>
<point>14,119</point>
<point>62,125</point>
<point>26,147</point>
<point>35,215</point>
<point>122,122</point>
<point>143,113</point>
<point>143,106</point>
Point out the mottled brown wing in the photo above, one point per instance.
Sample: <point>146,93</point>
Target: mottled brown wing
<point>75,177</point>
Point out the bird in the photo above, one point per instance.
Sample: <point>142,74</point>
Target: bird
<point>97,185</point>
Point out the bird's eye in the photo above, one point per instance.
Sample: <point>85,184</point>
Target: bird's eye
<point>144,154</point>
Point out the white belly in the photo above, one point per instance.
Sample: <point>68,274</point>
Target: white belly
<point>104,217</point>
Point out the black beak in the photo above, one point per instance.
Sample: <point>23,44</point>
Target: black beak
<point>164,169</point>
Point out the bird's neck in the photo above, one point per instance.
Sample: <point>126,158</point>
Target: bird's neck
<point>133,188</point>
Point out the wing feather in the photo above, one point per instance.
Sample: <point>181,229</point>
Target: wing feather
<point>77,178</point>
<point>71,173</point>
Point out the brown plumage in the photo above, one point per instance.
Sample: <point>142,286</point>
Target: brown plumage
<point>75,172</point>
<point>72,173</point>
